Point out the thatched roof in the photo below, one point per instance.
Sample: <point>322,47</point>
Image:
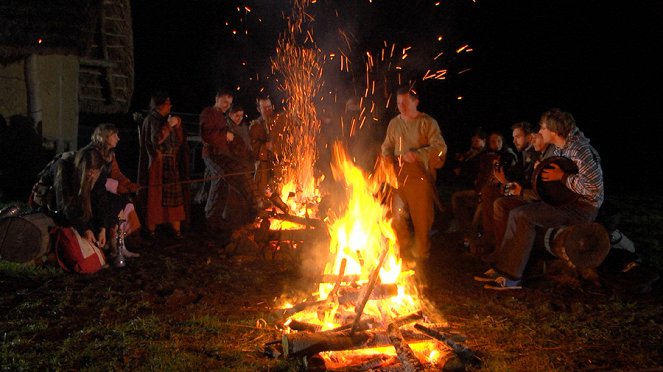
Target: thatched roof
<point>98,31</point>
<point>63,26</point>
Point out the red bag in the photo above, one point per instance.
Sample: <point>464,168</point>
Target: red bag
<point>76,254</point>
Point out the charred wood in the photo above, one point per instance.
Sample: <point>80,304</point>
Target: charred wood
<point>301,344</point>
<point>460,350</point>
<point>409,361</point>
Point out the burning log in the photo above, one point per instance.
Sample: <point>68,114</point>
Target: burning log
<point>303,344</point>
<point>403,350</point>
<point>380,292</point>
<point>369,288</point>
<point>329,278</point>
<point>296,325</point>
<point>304,221</point>
<point>339,280</point>
<point>346,296</point>
<point>460,350</point>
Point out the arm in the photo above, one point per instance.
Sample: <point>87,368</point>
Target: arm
<point>124,183</point>
<point>213,130</point>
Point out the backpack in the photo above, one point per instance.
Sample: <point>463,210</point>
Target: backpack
<point>76,254</point>
<point>42,196</point>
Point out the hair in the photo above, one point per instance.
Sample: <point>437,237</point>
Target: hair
<point>100,136</point>
<point>235,108</point>
<point>224,92</point>
<point>86,159</point>
<point>263,97</point>
<point>407,89</point>
<point>558,121</point>
<point>158,99</point>
<point>480,132</point>
<point>524,125</point>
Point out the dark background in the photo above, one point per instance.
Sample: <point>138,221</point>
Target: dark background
<point>597,60</point>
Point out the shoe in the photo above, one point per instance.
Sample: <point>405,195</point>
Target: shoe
<point>489,276</point>
<point>129,254</point>
<point>503,284</point>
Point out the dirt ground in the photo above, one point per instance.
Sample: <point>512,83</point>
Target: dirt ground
<point>199,303</point>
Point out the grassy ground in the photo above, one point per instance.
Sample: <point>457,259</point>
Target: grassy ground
<point>186,305</point>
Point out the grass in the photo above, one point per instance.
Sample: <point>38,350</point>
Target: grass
<point>185,308</point>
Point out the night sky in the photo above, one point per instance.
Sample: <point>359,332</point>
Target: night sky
<point>591,58</point>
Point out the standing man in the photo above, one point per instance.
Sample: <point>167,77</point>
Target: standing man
<point>558,128</point>
<point>262,132</point>
<point>415,147</point>
<point>214,132</point>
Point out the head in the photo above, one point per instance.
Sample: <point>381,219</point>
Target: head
<point>223,100</point>
<point>160,101</point>
<point>479,139</point>
<point>236,114</point>
<point>407,101</point>
<point>537,142</point>
<point>105,136</point>
<point>555,125</point>
<point>265,107</point>
<point>495,141</point>
<point>522,135</point>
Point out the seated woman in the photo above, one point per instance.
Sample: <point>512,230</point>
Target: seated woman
<point>104,140</point>
<point>89,192</point>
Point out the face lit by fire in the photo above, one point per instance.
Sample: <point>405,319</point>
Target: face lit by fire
<point>237,117</point>
<point>407,105</point>
<point>537,142</point>
<point>112,140</point>
<point>495,142</point>
<point>265,108</point>
<point>223,102</point>
<point>520,139</point>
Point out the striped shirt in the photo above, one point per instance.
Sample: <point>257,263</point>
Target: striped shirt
<point>588,182</point>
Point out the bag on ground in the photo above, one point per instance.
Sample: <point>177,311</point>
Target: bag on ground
<point>76,254</point>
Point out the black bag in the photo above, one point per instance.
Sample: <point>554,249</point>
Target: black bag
<point>42,196</point>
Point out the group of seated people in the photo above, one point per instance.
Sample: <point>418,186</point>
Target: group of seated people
<point>502,211</point>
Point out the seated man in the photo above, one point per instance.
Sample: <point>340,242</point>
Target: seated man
<point>558,128</point>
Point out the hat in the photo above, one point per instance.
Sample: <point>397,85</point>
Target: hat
<point>585,245</point>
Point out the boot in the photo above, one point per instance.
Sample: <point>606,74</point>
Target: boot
<point>122,247</point>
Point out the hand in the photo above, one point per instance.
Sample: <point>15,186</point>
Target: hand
<point>552,173</point>
<point>230,136</point>
<point>269,145</point>
<point>174,121</point>
<point>498,172</point>
<point>513,189</point>
<point>409,157</point>
<point>101,240</point>
<point>89,236</point>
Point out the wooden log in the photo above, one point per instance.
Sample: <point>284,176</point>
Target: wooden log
<point>407,319</point>
<point>296,325</point>
<point>409,361</point>
<point>304,343</point>
<point>339,280</point>
<point>329,278</point>
<point>304,221</point>
<point>460,350</point>
<point>369,288</point>
<point>380,292</point>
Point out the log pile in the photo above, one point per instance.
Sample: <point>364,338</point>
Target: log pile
<point>358,331</point>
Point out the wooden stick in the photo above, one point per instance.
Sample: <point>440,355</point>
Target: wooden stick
<point>460,350</point>
<point>369,288</point>
<point>409,361</point>
<point>337,285</point>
